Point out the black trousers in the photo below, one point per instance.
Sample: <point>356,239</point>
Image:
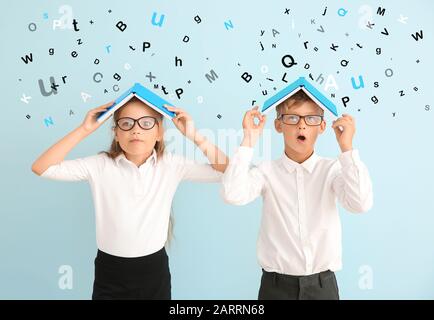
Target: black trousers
<point>146,277</point>
<point>318,286</point>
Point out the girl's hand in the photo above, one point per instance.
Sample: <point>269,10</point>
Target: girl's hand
<point>345,136</point>
<point>89,123</point>
<point>183,121</point>
<point>252,130</point>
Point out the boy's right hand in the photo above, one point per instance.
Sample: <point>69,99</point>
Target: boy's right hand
<point>90,124</point>
<point>252,130</point>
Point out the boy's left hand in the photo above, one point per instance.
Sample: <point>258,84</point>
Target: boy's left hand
<point>345,137</point>
<point>183,121</point>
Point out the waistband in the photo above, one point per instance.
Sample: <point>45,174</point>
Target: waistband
<point>312,279</point>
<point>148,260</point>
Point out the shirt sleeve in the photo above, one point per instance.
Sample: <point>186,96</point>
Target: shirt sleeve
<point>73,170</point>
<point>242,184</point>
<point>192,170</point>
<point>352,184</point>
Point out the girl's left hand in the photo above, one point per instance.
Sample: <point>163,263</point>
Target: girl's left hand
<point>183,121</point>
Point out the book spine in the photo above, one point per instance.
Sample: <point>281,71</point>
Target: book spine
<point>102,117</point>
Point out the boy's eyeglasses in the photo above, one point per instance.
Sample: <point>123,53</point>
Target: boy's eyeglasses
<point>293,119</point>
<point>146,123</point>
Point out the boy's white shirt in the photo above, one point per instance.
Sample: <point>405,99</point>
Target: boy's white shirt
<point>300,232</point>
<point>132,204</point>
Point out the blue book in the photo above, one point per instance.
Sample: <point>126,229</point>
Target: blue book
<point>147,96</point>
<point>300,84</point>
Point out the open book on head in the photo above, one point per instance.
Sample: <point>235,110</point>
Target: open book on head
<point>147,96</point>
<point>300,84</point>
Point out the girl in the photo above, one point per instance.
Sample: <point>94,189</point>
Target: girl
<point>133,185</point>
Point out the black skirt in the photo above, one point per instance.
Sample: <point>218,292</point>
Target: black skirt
<point>146,277</point>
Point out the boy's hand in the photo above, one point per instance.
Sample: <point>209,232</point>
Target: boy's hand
<point>183,121</point>
<point>345,137</point>
<point>90,124</point>
<point>252,131</point>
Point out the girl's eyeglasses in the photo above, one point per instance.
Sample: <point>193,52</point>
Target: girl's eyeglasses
<point>146,123</point>
<point>293,119</point>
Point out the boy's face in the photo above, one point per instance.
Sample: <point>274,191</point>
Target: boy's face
<point>300,137</point>
<point>138,141</point>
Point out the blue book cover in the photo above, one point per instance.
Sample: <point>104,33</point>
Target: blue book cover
<point>147,96</point>
<point>300,84</point>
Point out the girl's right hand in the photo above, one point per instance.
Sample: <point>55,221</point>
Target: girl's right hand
<point>90,124</point>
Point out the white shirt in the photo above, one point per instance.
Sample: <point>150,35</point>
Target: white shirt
<point>300,231</point>
<point>132,204</point>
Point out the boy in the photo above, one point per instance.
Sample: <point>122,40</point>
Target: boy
<point>299,244</point>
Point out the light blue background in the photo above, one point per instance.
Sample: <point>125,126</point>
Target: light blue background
<point>45,224</point>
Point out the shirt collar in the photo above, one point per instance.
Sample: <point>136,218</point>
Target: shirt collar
<point>291,165</point>
<point>152,158</point>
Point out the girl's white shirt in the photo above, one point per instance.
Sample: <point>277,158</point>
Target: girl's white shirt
<point>132,204</point>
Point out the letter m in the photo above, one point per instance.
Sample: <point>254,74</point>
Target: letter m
<point>381,11</point>
<point>211,77</point>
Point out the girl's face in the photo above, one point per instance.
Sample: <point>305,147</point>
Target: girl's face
<point>138,141</point>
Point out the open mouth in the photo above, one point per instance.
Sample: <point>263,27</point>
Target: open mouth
<point>301,138</point>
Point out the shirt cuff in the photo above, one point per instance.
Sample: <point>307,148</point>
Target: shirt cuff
<point>47,172</point>
<point>349,158</point>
